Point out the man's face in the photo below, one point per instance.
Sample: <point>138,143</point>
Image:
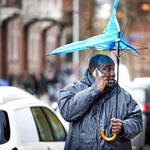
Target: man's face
<point>108,70</point>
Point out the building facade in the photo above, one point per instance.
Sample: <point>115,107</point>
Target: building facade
<point>31,29</point>
<point>28,31</point>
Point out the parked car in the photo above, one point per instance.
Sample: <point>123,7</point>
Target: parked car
<point>27,123</point>
<point>139,141</point>
<point>139,94</point>
<point>143,84</point>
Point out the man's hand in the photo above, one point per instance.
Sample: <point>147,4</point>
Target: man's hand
<point>116,125</point>
<point>101,81</point>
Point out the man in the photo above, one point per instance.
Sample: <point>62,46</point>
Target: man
<point>90,106</point>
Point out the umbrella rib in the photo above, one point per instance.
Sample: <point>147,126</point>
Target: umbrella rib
<point>142,48</point>
<point>131,44</point>
<point>133,55</point>
<point>139,46</point>
<point>83,61</point>
<point>128,18</point>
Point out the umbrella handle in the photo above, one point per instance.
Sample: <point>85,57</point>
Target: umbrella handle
<point>107,139</point>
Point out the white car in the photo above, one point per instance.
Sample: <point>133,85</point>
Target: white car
<point>139,95</point>
<point>27,123</point>
<point>139,141</point>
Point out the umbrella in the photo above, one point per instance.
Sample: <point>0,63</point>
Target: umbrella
<point>111,37</point>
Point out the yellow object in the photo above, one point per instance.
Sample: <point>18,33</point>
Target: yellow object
<point>107,139</point>
<point>145,7</point>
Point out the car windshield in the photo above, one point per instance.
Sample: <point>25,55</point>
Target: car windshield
<point>4,127</point>
<point>138,94</point>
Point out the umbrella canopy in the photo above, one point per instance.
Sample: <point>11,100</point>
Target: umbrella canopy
<point>110,38</point>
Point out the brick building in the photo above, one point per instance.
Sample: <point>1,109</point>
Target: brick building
<point>28,31</point>
<point>11,37</point>
<point>31,29</point>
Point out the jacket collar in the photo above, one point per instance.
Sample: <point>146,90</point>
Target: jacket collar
<point>111,91</point>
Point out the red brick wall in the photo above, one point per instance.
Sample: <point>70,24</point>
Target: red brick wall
<point>14,46</point>
<point>31,57</point>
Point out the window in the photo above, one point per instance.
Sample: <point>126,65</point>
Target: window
<point>43,126</point>
<point>36,124</point>
<point>4,127</point>
<point>59,132</point>
<point>144,9</point>
<point>49,126</point>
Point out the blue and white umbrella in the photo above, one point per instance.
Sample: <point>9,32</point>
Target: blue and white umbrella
<point>110,38</point>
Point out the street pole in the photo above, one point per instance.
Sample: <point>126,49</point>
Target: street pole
<point>76,30</point>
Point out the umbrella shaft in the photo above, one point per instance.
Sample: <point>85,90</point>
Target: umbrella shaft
<point>118,50</point>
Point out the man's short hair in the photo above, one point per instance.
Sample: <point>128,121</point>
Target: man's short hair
<point>98,60</point>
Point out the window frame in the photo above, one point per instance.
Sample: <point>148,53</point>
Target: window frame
<point>144,15</point>
<point>49,123</point>
<point>40,139</point>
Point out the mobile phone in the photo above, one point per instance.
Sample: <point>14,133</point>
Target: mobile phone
<point>94,73</point>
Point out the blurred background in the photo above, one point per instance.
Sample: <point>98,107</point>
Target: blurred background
<point>31,29</point>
